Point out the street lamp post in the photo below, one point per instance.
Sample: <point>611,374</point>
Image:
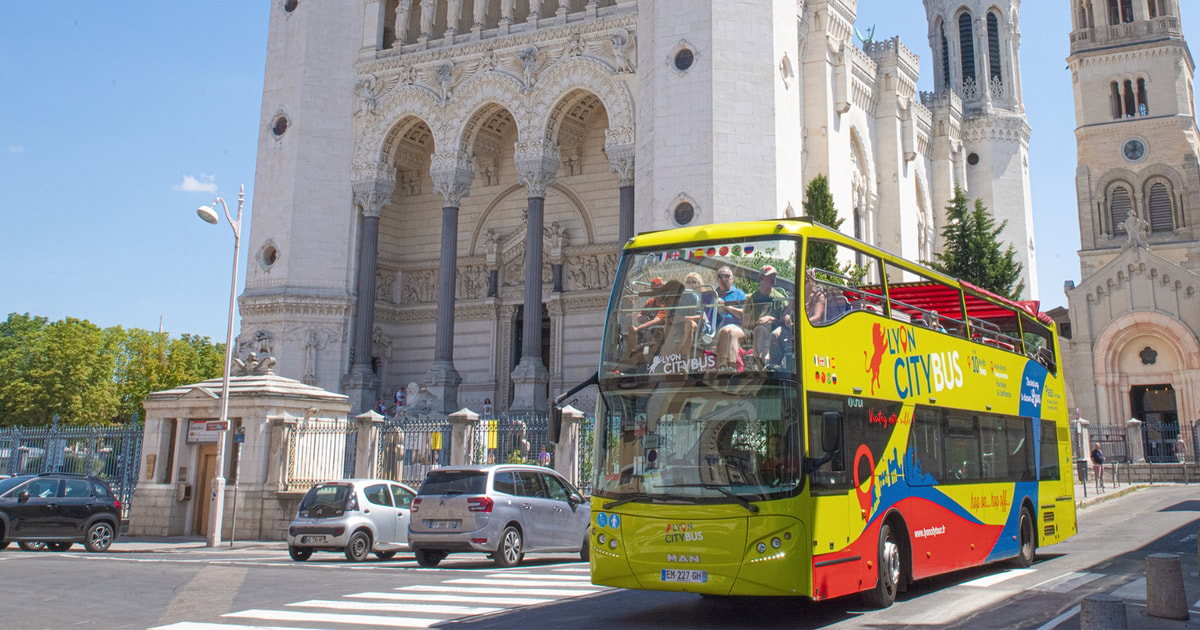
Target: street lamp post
<point>216,506</point>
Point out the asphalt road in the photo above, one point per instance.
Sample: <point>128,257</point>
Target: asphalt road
<point>198,588</point>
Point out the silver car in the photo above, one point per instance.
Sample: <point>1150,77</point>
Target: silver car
<point>354,516</point>
<point>502,510</point>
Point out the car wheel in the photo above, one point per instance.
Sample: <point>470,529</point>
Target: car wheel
<point>888,568</point>
<point>429,558</point>
<point>99,537</point>
<point>585,551</point>
<point>4,544</point>
<point>1025,535</point>
<point>298,554</point>
<point>58,546</point>
<point>509,553</point>
<point>359,546</point>
<point>32,545</point>
<point>385,555</point>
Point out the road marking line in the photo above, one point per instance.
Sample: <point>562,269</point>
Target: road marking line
<point>1135,590</point>
<point>542,576</point>
<point>435,597</point>
<point>1053,623</point>
<point>363,620</point>
<point>498,582</point>
<point>1065,582</point>
<point>431,609</point>
<point>1003,576</point>
<point>545,592</point>
<point>197,625</point>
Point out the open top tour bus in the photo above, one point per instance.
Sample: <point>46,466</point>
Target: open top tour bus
<point>785,410</point>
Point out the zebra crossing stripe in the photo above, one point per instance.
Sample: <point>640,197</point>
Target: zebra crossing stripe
<point>1065,582</point>
<point>449,599</point>
<point>197,625</point>
<point>479,590</point>
<point>431,609</point>
<point>362,620</point>
<point>522,583</point>
<point>1003,576</point>
<point>536,576</point>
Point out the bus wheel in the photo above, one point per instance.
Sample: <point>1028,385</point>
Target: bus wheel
<point>888,569</point>
<point>1025,531</point>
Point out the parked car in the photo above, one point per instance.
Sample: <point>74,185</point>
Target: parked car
<point>56,510</point>
<point>502,510</point>
<point>353,516</point>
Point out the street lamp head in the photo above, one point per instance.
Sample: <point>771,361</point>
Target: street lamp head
<point>208,214</point>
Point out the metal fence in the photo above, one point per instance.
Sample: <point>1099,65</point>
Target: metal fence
<point>411,445</point>
<point>112,453</point>
<point>1161,443</point>
<point>319,450</point>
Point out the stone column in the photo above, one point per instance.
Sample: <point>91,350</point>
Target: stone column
<point>366,446</point>
<point>281,430</point>
<point>621,161</point>
<point>1133,441</point>
<point>464,426</point>
<point>361,383</point>
<point>452,174</point>
<point>537,164</point>
<point>566,450</point>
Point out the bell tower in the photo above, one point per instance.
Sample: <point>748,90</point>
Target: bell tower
<point>975,45</point>
<point>1135,128</point>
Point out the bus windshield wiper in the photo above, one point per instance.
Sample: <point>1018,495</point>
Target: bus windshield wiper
<point>723,490</point>
<point>628,498</point>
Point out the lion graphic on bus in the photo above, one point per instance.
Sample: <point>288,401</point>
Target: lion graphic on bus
<point>875,360</point>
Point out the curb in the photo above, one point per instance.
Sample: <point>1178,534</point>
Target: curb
<point>1116,494</point>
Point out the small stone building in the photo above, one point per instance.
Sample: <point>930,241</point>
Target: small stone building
<point>180,453</point>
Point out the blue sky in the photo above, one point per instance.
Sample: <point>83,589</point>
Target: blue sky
<point>116,124</point>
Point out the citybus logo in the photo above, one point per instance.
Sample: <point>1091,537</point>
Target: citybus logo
<point>682,532</point>
<point>914,373</point>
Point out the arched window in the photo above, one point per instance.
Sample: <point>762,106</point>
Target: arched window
<point>1116,100</point>
<point>1130,104</point>
<point>1120,205</point>
<point>1120,11</point>
<point>1157,8</point>
<point>1143,106</point>
<point>945,56</point>
<point>966,44</point>
<point>1161,211</point>
<point>993,27</point>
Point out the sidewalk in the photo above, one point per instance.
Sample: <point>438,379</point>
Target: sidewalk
<point>180,544</point>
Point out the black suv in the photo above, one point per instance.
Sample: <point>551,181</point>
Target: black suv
<point>58,509</point>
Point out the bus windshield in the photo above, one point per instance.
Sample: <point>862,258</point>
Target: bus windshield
<point>696,443</point>
<point>718,308</point>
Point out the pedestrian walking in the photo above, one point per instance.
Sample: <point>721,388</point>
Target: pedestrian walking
<point>1180,449</point>
<point>1098,464</point>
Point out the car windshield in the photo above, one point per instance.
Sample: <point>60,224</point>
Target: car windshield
<point>455,482</point>
<point>327,495</point>
<point>10,483</point>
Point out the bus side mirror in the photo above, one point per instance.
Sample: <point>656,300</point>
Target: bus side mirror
<point>831,432</point>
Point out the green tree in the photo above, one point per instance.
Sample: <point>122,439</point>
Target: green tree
<point>87,375</point>
<point>818,205</point>
<point>972,251</point>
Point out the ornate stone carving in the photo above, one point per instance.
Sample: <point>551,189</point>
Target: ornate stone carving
<point>365,90</point>
<point>452,172</point>
<point>261,342</point>
<point>621,162</point>
<point>537,165</point>
<point>471,283</point>
<point>531,60</point>
<point>371,195</point>
<point>381,344</point>
<point>419,286</point>
<point>623,50</point>
<point>385,285</point>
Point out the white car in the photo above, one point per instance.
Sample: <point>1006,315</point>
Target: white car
<point>353,516</point>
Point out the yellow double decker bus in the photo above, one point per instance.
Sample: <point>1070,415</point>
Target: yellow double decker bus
<point>785,410</point>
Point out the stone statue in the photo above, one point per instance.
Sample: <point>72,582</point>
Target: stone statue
<point>622,45</point>
<point>365,90</point>
<point>1136,229</point>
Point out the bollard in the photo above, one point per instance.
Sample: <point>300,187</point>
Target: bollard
<point>1165,596</point>
<point>1101,611</point>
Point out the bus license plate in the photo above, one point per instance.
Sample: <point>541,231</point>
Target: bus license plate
<point>684,575</point>
<point>311,540</point>
<point>443,524</point>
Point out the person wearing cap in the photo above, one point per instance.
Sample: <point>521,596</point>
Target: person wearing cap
<point>765,312</point>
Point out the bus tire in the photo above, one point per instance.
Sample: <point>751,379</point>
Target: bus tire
<point>887,582</point>
<point>1027,540</point>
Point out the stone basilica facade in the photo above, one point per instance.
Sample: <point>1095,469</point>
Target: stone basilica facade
<point>443,186</point>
